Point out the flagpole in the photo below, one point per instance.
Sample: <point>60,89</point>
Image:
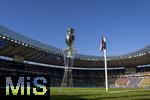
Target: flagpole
<point>106,76</point>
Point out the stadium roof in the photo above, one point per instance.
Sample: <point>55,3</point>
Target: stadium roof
<point>15,45</point>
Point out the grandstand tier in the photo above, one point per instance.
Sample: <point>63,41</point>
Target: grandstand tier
<point>20,55</point>
<point>13,44</point>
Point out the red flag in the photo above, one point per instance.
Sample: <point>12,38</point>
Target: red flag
<point>103,44</point>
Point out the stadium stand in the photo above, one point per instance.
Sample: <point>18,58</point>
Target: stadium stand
<point>133,82</point>
<point>122,82</point>
<point>21,55</point>
<point>145,82</point>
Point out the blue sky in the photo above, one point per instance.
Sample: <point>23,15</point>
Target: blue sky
<point>125,23</point>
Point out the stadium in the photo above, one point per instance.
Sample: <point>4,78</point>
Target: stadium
<point>21,55</point>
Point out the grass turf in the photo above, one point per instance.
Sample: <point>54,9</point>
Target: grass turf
<point>99,94</point>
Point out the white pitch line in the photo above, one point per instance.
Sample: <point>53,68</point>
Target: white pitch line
<point>127,91</point>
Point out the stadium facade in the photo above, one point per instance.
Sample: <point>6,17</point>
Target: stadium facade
<point>22,55</point>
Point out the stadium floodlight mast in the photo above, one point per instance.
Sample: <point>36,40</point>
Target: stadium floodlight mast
<point>68,53</point>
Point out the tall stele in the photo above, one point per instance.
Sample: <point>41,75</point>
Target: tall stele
<point>68,54</point>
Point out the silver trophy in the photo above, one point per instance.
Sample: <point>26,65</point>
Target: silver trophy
<point>68,53</point>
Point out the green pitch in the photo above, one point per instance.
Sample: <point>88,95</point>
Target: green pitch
<point>99,94</point>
